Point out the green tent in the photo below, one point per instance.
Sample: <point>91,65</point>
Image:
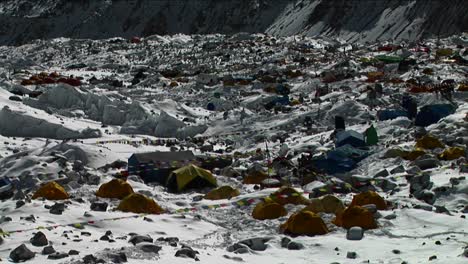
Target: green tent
<point>371,136</point>
<point>189,177</point>
<point>389,59</point>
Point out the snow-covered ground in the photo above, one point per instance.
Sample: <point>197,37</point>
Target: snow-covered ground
<point>160,90</point>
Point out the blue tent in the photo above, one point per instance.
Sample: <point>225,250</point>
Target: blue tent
<point>347,151</point>
<point>350,137</point>
<point>390,114</point>
<point>210,107</point>
<point>431,114</point>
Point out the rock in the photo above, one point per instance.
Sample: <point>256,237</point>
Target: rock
<point>91,259</point>
<point>233,258</point>
<point>390,216</point>
<point>172,241</point>
<point>441,209</point>
<point>58,255</point>
<point>371,208</point>
<point>285,241</point>
<point>118,258</point>
<point>104,238</point>
<point>257,243</point>
<point>39,240</point>
<point>382,173</point>
<point>48,250</point>
<point>20,203</point>
<point>398,169</point>
<point>413,170</point>
<point>73,252</point>
<point>465,252</point>
<point>78,165</point>
<point>99,206</point>
<point>428,163</point>
<point>136,239</point>
<point>355,233</point>
<point>21,253</point>
<point>425,207</point>
<point>150,248</point>
<point>396,251</point>
<point>351,255</point>
<point>238,248</point>
<point>295,245</point>
<point>432,257</point>
<point>187,252</point>
<point>57,208</point>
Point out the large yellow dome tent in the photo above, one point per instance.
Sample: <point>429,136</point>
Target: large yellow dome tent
<point>139,204</point>
<point>51,191</point>
<point>115,188</point>
<point>190,176</point>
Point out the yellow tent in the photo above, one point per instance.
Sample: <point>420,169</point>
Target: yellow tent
<point>139,204</point>
<point>223,192</point>
<point>452,153</point>
<point>428,142</point>
<point>355,216</point>
<point>288,195</point>
<point>268,210</point>
<point>51,191</point>
<point>369,197</point>
<point>304,223</point>
<point>255,177</point>
<point>190,176</point>
<point>116,188</point>
<point>327,204</point>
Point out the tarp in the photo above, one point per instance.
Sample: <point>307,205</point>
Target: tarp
<point>190,176</point>
<point>390,114</point>
<point>351,137</point>
<point>431,114</point>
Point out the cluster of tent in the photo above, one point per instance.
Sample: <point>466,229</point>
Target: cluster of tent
<point>307,221</point>
<point>424,145</point>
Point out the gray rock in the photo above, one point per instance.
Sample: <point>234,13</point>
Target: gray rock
<point>355,233</point>
<point>371,208</point>
<point>90,259</point>
<point>118,258</point>
<point>73,252</point>
<point>137,239</point>
<point>257,243</point>
<point>425,207</point>
<point>398,169</point>
<point>57,208</point>
<point>390,216</point>
<point>48,250</point>
<point>382,173</point>
<point>285,241</point>
<point>150,248</point>
<point>187,252</point>
<point>428,163</point>
<point>99,206</point>
<point>20,203</point>
<point>58,255</point>
<point>238,248</point>
<point>465,252</point>
<point>21,253</point>
<point>295,245</point>
<point>413,170</point>
<point>39,240</point>
<point>351,255</point>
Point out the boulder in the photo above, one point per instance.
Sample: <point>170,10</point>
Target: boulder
<point>21,254</point>
<point>39,240</point>
<point>355,233</point>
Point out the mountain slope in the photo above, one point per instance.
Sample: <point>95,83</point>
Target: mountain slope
<point>22,20</point>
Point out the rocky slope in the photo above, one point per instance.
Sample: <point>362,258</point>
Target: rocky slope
<point>366,20</point>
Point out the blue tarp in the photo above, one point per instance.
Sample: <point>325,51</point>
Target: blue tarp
<point>431,114</point>
<point>390,114</point>
<point>340,160</point>
<point>350,137</point>
<point>210,107</point>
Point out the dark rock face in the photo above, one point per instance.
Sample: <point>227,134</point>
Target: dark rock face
<point>23,21</point>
